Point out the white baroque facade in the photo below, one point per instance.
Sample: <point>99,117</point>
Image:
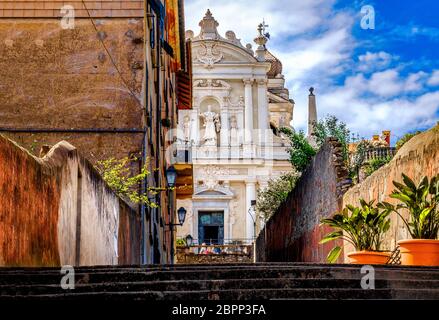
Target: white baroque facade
<point>239,102</point>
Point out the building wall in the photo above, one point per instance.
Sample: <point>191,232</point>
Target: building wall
<point>419,157</point>
<point>293,232</point>
<point>57,211</point>
<point>62,84</point>
<point>62,79</point>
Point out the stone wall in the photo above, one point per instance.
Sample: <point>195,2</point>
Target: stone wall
<point>184,257</point>
<point>419,157</point>
<point>293,232</point>
<point>57,210</point>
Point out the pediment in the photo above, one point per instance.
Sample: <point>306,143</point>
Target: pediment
<point>210,52</point>
<point>216,192</point>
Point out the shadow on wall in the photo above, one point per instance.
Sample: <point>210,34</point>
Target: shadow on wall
<point>293,232</point>
<point>57,210</point>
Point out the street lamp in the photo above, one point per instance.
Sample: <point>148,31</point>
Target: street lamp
<point>171,176</point>
<point>181,215</point>
<point>189,240</point>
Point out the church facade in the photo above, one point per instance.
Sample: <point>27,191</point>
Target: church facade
<point>239,104</point>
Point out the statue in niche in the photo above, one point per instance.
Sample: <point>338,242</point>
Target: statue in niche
<point>212,126</point>
<point>187,128</point>
<point>233,131</point>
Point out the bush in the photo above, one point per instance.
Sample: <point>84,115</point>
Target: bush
<point>375,164</point>
<point>277,191</point>
<point>301,152</point>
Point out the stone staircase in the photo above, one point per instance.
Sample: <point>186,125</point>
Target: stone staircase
<point>220,282</point>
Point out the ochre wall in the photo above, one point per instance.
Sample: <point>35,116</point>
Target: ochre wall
<point>51,205</point>
<point>52,78</point>
<point>293,232</point>
<point>419,157</point>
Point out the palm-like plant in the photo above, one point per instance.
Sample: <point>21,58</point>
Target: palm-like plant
<point>422,202</point>
<point>362,226</point>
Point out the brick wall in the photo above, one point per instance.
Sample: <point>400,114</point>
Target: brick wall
<point>293,232</point>
<point>52,8</point>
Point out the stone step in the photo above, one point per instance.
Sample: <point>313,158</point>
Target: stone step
<point>134,275</point>
<point>212,285</point>
<point>238,294</point>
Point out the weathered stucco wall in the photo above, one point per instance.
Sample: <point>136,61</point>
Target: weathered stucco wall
<point>57,210</point>
<point>293,232</point>
<point>419,157</point>
<point>51,78</point>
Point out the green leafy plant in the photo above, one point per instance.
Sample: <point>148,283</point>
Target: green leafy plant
<point>362,226</point>
<point>422,202</point>
<point>374,164</point>
<point>301,152</point>
<point>277,191</point>
<point>181,243</point>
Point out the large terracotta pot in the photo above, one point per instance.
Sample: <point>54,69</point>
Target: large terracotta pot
<point>419,252</point>
<point>368,257</point>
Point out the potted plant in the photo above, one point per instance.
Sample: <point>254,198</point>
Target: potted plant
<point>422,203</point>
<point>364,228</point>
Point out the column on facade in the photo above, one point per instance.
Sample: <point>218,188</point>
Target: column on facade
<point>262,110</point>
<point>248,114</point>
<point>250,194</point>
<point>224,136</point>
<point>195,130</point>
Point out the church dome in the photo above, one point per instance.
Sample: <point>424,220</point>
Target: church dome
<point>276,65</point>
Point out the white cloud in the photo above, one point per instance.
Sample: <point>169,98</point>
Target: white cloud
<point>434,79</point>
<point>371,61</point>
<point>316,46</point>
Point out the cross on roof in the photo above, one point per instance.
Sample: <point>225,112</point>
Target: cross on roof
<point>264,26</point>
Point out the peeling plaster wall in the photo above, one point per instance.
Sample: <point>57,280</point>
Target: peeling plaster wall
<point>419,157</point>
<point>293,232</point>
<point>57,210</point>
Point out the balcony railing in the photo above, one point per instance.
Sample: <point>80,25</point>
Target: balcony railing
<point>379,153</point>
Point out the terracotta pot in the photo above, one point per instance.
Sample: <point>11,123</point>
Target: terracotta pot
<point>368,257</point>
<point>419,252</point>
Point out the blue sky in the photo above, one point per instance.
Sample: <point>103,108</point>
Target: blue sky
<point>381,79</point>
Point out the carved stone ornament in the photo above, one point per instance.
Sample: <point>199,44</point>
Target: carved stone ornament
<point>209,55</point>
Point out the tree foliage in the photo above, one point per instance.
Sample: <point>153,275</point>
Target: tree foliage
<point>117,173</point>
<point>270,198</point>
<point>405,138</point>
<point>301,151</point>
<point>332,127</point>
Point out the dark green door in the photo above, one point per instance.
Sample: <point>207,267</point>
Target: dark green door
<point>211,227</point>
